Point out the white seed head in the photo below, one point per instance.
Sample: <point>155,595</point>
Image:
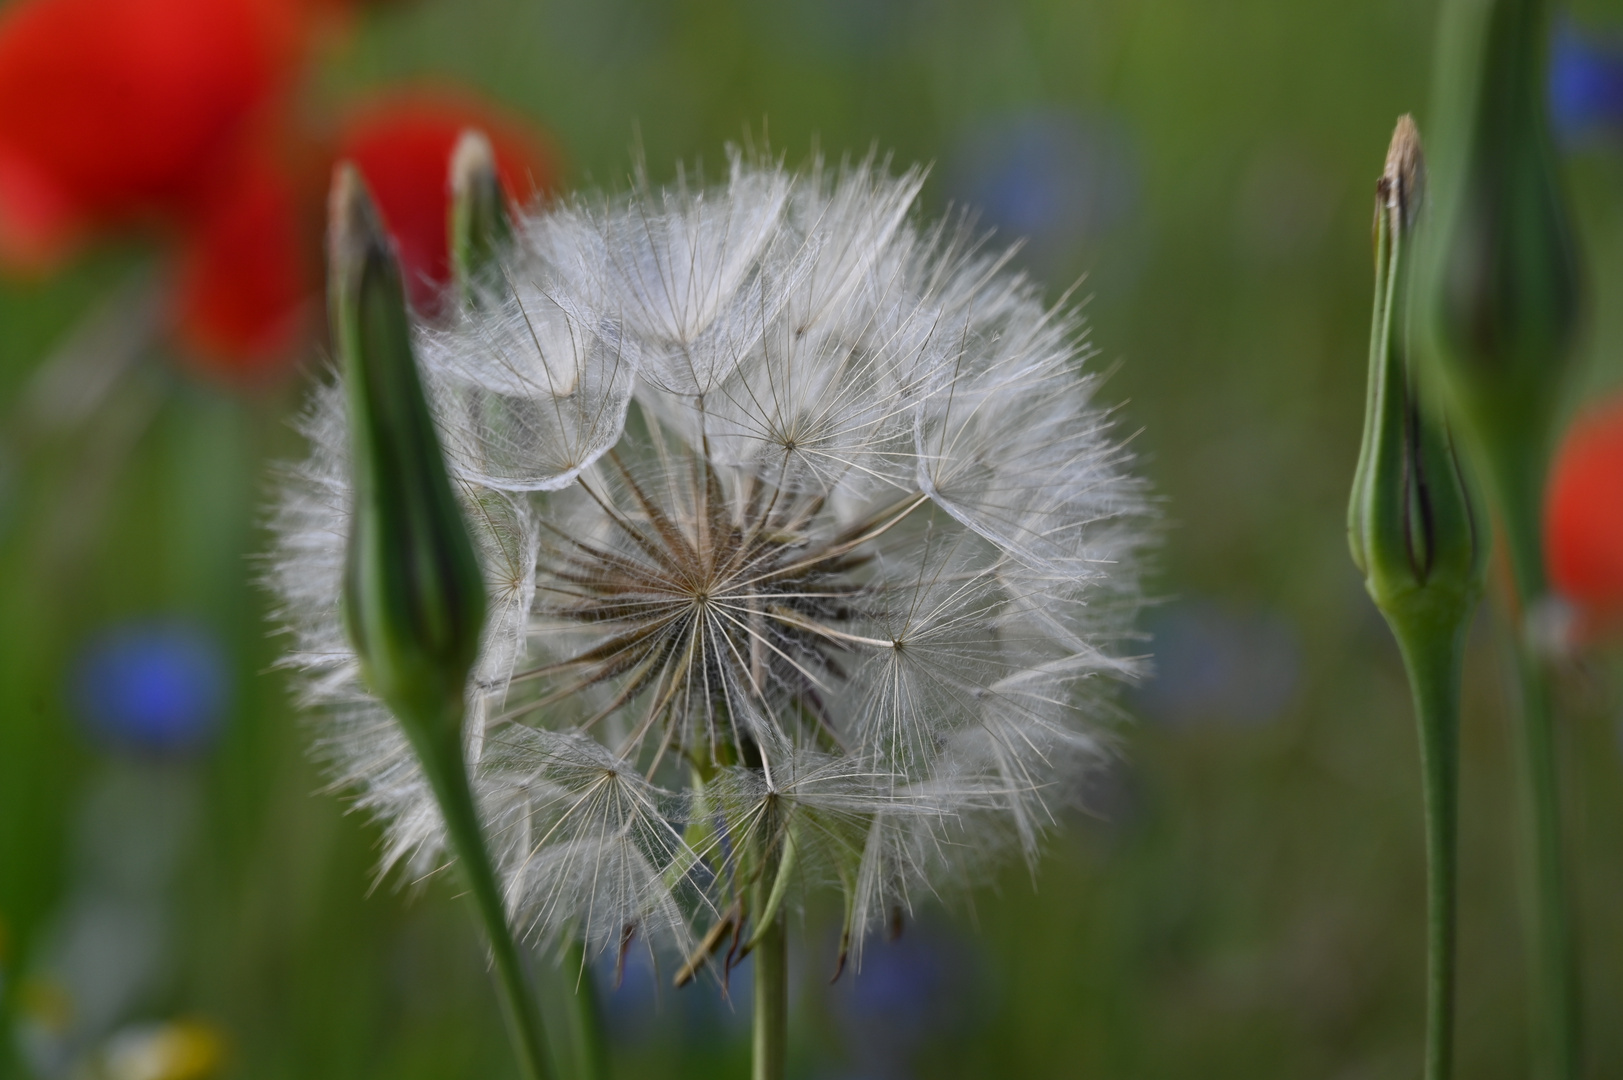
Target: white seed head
<point>803,533</point>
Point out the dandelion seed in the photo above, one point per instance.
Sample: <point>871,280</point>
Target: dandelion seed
<point>812,560</point>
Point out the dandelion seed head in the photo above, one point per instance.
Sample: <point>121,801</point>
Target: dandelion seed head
<point>803,532</point>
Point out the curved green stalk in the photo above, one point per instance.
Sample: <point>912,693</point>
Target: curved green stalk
<point>1434,663</point>
<point>455,798</point>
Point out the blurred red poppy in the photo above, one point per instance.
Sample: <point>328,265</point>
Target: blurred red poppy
<point>114,111</point>
<point>403,145</point>
<point>248,268</point>
<point>160,113</point>
<point>176,114</point>
<point>246,271</point>
<point>1583,521</point>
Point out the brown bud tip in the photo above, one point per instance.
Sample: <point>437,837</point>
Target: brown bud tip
<point>354,229</point>
<point>1403,181</point>
<point>473,162</point>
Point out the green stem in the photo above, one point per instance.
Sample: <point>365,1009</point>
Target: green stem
<point>1557,1022</point>
<point>771,1035</point>
<point>449,779</point>
<point>1557,1018</point>
<point>1434,661</point>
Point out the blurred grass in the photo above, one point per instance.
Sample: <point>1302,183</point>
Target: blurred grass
<point>1253,908</point>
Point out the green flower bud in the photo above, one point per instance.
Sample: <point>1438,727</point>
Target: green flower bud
<point>1410,523</point>
<point>479,223</point>
<point>1416,538</point>
<point>1499,275</point>
<point>414,596</point>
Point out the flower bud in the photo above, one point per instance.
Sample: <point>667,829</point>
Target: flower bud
<point>1499,275</point>
<point>1411,523</point>
<point>414,597</point>
<point>479,224</point>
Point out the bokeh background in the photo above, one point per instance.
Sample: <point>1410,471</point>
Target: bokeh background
<point>1245,897</point>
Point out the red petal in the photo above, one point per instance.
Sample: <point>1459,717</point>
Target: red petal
<point>244,281</point>
<point>111,109</point>
<point>403,146</point>
<point>1583,522</point>
<point>38,221</point>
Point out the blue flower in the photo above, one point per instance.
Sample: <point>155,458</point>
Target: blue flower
<point>152,685</point>
<point>1586,83</point>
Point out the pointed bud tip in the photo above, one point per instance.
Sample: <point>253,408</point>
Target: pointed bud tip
<point>479,226</point>
<point>414,593</point>
<point>472,162</point>
<point>354,229</point>
<point>1403,181</point>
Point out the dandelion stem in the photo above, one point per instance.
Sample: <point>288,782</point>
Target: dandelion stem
<point>450,783</point>
<point>1433,662</point>
<point>771,1035</point>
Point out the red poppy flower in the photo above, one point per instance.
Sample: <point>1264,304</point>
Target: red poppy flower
<point>403,146</point>
<point>247,271</point>
<point>174,113</point>
<point>1583,520</point>
<point>120,110</point>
